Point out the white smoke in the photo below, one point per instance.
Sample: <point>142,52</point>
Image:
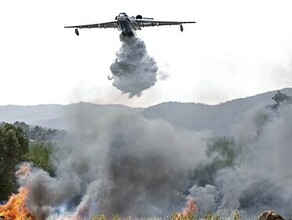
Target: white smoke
<point>205,197</point>
<point>261,177</point>
<point>120,162</point>
<point>133,70</point>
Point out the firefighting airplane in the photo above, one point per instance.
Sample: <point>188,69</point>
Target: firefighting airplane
<point>128,25</point>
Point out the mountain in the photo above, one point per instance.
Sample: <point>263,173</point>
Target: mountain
<point>218,119</point>
<point>44,115</point>
<point>52,116</point>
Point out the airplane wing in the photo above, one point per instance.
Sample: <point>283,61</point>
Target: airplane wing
<point>151,23</point>
<point>112,24</point>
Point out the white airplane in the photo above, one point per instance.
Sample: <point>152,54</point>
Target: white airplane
<point>128,25</point>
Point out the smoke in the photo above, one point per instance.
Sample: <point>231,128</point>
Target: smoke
<point>46,192</point>
<point>119,162</point>
<point>205,197</point>
<point>260,178</point>
<point>133,70</point>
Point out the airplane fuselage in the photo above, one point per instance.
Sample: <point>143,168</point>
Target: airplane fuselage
<point>126,25</point>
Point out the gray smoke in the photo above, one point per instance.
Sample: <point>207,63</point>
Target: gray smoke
<point>121,163</point>
<point>205,197</point>
<point>46,192</point>
<point>261,178</point>
<point>133,70</point>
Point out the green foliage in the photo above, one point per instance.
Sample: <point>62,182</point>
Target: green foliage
<point>116,217</point>
<point>179,216</point>
<point>261,118</point>
<point>13,146</point>
<point>280,99</point>
<point>102,217</point>
<point>211,216</point>
<point>39,154</point>
<point>98,217</point>
<point>20,142</point>
<point>38,133</point>
<point>222,153</point>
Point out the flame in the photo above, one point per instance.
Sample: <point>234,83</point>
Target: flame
<point>24,171</point>
<point>15,208</point>
<point>190,209</point>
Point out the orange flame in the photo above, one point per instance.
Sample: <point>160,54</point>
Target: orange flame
<point>190,209</point>
<point>24,171</point>
<point>15,208</point>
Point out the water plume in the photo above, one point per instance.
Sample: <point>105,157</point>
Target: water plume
<point>133,70</point>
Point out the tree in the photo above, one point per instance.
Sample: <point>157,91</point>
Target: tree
<point>13,146</point>
<point>38,133</point>
<point>280,98</point>
<point>223,153</point>
<point>39,154</point>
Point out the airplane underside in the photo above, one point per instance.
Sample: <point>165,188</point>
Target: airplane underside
<point>126,29</point>
<point>128,34</point>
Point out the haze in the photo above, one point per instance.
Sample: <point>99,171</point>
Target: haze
<point>236,49</point>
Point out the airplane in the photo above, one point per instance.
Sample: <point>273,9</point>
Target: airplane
<point>128,25</point>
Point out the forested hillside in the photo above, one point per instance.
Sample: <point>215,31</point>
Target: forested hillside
<point>217,119</point>
<point>104,144</point>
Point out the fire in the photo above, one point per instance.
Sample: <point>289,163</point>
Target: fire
<point>190,210</point>
<point>191,207</point>
<point>24,171</point>
<point>15,208</point>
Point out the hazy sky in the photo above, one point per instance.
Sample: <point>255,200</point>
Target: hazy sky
<point>236,49</point>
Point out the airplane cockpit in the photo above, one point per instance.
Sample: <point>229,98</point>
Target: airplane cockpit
<point>122,14</point>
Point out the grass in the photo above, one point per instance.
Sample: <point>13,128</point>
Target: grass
<point>176,216</point>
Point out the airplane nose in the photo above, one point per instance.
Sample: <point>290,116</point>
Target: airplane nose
<point>122,18</point>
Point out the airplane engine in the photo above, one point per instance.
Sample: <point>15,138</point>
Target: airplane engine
<point>181,28</point>
<point>77,32</point>
<point>139,17</point>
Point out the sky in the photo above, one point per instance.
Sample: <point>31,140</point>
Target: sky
<point>236,49</point>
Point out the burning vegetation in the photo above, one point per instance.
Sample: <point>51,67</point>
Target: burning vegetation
<point>16,207</point>
<point>126,164</point>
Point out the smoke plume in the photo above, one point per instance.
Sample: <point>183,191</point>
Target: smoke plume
<point>260,179</point>
<point>120,163</point>
<point>133,70</point>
